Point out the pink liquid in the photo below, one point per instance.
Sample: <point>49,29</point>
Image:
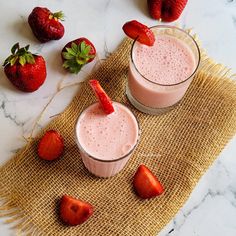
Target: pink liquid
<point>168,62</point>
<point>105,139</point>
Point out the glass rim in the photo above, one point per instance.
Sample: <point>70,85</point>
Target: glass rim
<point>178,29</point>
<point>95,158</point>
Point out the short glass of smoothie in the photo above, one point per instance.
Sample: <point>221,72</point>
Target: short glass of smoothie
<point>106,142</point>
<point>160,75</point>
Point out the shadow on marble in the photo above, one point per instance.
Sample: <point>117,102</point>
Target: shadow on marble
<point>5,83</point>
<point>22,28</point>
<point>142,6</point>
<point>54,62</point>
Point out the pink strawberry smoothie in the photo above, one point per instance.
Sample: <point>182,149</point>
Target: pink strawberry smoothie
<point>106,141</point>
<point>158,75</point>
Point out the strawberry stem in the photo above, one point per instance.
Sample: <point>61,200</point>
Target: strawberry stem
<point>57,16</point>
<point>21,55</point>
<point>76,56</point>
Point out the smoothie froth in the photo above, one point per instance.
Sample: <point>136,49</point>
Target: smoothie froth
<point>168,61</point>
<point>107,136</point>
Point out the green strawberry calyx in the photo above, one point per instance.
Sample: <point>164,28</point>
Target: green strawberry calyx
<point>76,56</point>
<point>57,16</point>
<point>19,55</point>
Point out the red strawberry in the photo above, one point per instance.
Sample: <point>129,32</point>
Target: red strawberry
<point>25,70</point>
<point>103,98</point>
<point>45,24</point>
<point>154,7</point>
<point>74,211</point>
<point>77,53</point>
<point>167,10</point>
<point>135,29</point>
<point>146,183</point>
<point>172,9</point>
<point>51,146</point>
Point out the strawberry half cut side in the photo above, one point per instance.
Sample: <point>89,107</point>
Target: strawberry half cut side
<point>74,211</point>
<point>146,184</point>
<point>103,98</point>
<point>137,30</point>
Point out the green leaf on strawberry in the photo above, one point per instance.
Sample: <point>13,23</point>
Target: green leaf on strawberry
<point>15,48</point>
<point>21,55</point>
<point>76,54</point>
<point>22,60</point>
<point>57,16</point>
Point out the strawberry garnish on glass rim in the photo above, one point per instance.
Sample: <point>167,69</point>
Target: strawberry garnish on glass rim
<point>137,30</point>
<point>103,98</point>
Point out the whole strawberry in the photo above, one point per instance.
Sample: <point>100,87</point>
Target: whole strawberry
<point>45,24</point>
<point>154,8</point>
<point>166,10</point>
<point>77,53</point>
<point>25,70</point>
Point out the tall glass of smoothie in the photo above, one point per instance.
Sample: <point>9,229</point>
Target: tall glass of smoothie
<point>106,142</point>
<point>159,75</point>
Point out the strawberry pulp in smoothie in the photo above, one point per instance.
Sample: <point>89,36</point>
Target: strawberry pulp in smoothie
<point>160,75</point>
<point>106,141</point>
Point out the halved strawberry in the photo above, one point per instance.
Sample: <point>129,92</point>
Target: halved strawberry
<point>74,211</point>
<point>103,98</point>
<point>146,184</point>
<point>50,146</point>
<point>135,29</point>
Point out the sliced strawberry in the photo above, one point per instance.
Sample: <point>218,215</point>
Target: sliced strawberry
<point>135,29</point>
<point>103,98</point>
<point>50,146</point>
<point>146,183</point>
<point>74,211</point>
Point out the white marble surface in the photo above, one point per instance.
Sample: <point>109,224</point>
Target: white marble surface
<point>211,209</point>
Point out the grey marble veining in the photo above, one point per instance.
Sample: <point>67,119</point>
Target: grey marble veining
<point>211,208</point>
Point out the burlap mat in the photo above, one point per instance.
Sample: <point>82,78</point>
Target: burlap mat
<point>178,146</point>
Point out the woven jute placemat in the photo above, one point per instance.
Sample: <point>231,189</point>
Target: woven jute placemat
<point>178,146</point>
